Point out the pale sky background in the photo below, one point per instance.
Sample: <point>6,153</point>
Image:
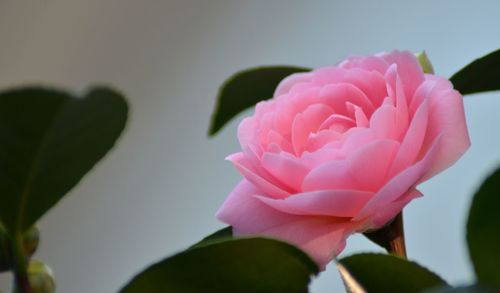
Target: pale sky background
<point>157,192</point>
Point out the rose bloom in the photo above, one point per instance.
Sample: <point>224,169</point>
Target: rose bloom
<point>341,149</point>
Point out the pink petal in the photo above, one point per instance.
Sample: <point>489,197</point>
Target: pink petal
<point>274,137</point>
<point>384,122</point>
<point>359,115</point>
<point>400,184</point>
<point>396,90</point>
<point>315,114</point>
<point>287,83</point>
<point>369,165</point>
<point>266,186</point>
<point>244,212</point>
<point>387,212</point>
<point>372,83</point>
<point>285,168</point>
<point>336,96</point>
<point>321,138</point>
<point>422,93</point>
<point>327,153</point>
<point>337,122</point>
<point>336,203</point>
<point>446,119</point>
<point>247,131</point>
<point>321,237</point>
<point>408,68</point>
<point>300,133</point>
<point>355,138</point>
<point>329,176</point>
<point>412,142</point>
<point>370,63</point>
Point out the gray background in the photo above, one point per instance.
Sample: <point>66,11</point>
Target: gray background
<point>157,192</point>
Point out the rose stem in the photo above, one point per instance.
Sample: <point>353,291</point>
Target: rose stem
<point>397,242</point>
<point>391,237</point>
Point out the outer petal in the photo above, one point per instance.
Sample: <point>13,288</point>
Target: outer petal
<point>287,83</point>
<point>400,184</point>
<point>370,63</point>
<point>387,212</point>
<point>247,131</point>
<point>446,119</point>
<point>286,168</point>
<point>321,237</point>
<point>268,187</point>
<point>243,211</point>
<point>408,68</point>
<point>336,203</point>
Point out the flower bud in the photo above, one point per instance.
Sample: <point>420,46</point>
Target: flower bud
<point>41,277</point>
<point>425,63</point>
<point>31,238</point>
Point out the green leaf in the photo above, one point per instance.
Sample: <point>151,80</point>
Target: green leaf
<point>483,231</point>
<point>387,273</point>
<point>238,265</point>
<point>49,140</point>
<point>221,235</point>
<point>245,89</point>
<point>481,75</point>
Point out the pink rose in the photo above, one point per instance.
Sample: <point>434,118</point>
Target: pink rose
<point>341,149</point>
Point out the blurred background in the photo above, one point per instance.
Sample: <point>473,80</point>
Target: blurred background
<point>158,190</point>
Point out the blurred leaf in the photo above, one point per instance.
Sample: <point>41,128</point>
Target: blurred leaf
<point>238,265</point>
<point>221,235</point>
<point>245,89</point>
<point>387,273</point>
<point>483,231</point>
<point>481,75</point>
<point>5,250</point>
<point>49,140</point>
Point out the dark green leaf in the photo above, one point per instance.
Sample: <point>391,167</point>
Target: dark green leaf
<point>387,273</point>
<point>221,235</point>
<point>245,89</point>
<point>481,75</point>
<point>238,265</point>
<point>465,289</point>
<point>483,231</point>
<point>49,140</point>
